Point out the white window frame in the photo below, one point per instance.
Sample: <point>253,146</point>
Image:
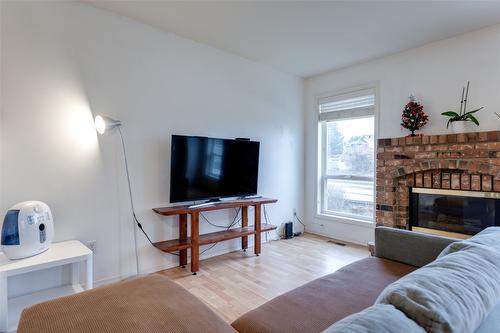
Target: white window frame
<point>321,153</point>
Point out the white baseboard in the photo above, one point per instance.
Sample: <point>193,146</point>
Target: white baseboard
<point>345,237</point>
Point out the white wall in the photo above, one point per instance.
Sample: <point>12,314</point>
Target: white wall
<point>63,62</point>
<point>435,74</point>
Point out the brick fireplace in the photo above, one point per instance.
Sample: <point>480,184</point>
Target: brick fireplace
<point>468,161</point>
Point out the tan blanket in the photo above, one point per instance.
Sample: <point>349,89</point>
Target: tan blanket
<point>149,304</point>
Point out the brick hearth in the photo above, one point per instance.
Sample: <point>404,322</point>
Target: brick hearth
<point>468,161</point>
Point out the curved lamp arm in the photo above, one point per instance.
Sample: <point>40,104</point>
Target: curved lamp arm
<point>103,124</point>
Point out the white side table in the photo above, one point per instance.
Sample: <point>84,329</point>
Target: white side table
<point>70,252</point>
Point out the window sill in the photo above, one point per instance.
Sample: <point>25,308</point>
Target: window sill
<point>346,220</point>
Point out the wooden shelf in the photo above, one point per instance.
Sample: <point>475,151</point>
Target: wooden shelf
<point>173,245</point>
<point>183,243</point>
<point>213,237</point>
<point>177,210</point>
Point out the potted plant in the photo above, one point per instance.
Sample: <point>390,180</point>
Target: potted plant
<point>463,115</point>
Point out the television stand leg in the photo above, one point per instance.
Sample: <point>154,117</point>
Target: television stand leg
<point>183,235</point>
<point>257,226</point>
<point>195,245</point>
<point>244,224</point>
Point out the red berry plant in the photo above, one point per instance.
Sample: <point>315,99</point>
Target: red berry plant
<point>413,116</point>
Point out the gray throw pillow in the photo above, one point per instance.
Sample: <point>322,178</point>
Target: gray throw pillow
<point>379,318</point>
<point>452,294</point>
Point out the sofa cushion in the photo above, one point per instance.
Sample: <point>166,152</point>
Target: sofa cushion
<point>489,237</point>
<point>315,306</point>
<point>379,318</point>
<point>150,304</point>
<point>452,294</point>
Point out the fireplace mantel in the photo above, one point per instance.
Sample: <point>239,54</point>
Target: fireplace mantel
<point>466,161</point>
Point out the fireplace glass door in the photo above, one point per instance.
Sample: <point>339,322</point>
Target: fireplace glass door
<point>464,212</point>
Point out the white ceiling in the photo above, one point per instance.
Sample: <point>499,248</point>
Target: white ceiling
<point>310,37</point>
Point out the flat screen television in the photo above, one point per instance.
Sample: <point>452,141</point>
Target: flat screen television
<point>208,168</point>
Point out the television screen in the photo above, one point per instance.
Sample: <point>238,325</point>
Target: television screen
<point>208,168</point>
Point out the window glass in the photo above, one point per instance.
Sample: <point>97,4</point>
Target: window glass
<point>347,164</point>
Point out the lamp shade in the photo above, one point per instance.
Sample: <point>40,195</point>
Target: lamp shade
<point>104,123</point>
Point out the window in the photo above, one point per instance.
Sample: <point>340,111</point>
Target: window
<point>346,159</point>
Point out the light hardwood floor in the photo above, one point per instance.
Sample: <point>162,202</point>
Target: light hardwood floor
<point>235,283</point>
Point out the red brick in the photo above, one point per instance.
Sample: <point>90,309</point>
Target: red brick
<point>413,148</point>
<point>394,149</point>
<point>483,136</point>
<point>472,137</point>
<point>484,168</point>
<point>452,164</point>
<point>428,179</point>
<point>410,180</point>
<point>494,145</point>
<point>426,155</point>
<point>487,183</point>
<point>494,136</point>
<point>496,185</point>
<point>446,180</point>
<point>463,165</point>
<point>475,182</point>
<point>419,180</point>
<point>455,181</point>
<point>451,138</point>
<point>465,181</point>
<point>436,179</point>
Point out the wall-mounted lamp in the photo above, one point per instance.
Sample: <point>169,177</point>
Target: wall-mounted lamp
<point>103,124</point>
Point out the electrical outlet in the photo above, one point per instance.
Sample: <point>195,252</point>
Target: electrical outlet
<point>294,212</point>
<point>92,245</point>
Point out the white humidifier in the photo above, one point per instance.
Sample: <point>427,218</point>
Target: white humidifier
<point>27,230</point>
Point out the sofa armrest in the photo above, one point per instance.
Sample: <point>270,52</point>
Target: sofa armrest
<point>409,247</point>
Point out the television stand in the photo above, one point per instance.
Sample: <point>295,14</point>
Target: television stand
<point>183,243</point>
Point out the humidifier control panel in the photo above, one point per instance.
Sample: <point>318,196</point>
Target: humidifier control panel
<point>43,236</point>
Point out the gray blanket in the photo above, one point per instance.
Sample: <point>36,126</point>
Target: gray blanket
<point>379,318</point>
<point>453,294</point>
